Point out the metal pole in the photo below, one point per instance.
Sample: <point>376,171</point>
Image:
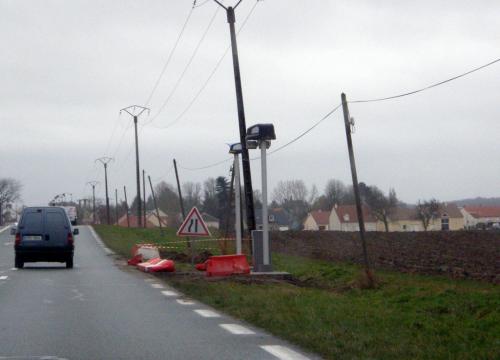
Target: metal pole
<point>265,218</point>
<point>229,204</point>
<point>154,202</point>
<point>144,194</point>
<point>137,173</point>
<point>355,186</point>
<point>116,206</point>
<point>237,203</point>
<point>126,205</point>
<point>245,159</point>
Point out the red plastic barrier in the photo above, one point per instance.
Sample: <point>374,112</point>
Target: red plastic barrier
<point>164,265</point>
<point>137,259</point>
<point>226,265</point>
<point>201,267</point>
<point>143,266</point>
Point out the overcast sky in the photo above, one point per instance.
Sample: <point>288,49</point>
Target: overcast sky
<point>68,67</point>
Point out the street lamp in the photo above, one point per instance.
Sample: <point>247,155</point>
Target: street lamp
<point>236,150</point>
<point>260,136</point>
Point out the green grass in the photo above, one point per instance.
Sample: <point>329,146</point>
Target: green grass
<point>326,311</point>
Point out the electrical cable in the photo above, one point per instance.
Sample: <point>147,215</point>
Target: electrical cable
<point>171,54</point>
<point>188,64</point>
<point>212,73</point>
<point>427,87</point>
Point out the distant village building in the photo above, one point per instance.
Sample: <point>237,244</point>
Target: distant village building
<point>481,216</point>
<point>279,219</point>
<point>151,220</point>
<point>211,221</point>
<point>345,218</point>
<point>318,220</point>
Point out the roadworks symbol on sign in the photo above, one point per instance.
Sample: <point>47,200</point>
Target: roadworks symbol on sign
<point>193,225</point>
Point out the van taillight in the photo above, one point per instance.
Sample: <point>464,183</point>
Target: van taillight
<point>70,238</point>
<point>18,239</point>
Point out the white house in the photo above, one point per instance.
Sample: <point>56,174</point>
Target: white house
<point>345,218</point>
<point>317,220</point>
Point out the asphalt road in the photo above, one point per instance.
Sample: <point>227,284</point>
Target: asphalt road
<point>100,311</point>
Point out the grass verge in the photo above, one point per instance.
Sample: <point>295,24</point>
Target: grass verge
<point>326,310</point>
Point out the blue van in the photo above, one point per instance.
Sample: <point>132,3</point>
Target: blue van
<point>44,234</point>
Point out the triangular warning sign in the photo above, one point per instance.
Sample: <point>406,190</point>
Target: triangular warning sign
<point>193,225</point>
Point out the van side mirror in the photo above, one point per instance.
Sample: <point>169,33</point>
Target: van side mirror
<point>76,231</point>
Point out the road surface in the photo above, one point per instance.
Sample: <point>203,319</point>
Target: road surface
<point>99,311</point>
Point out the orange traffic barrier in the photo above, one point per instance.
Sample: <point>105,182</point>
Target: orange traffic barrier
<point>225,265</point>
<point>137,259</point>
<point>162,266</point>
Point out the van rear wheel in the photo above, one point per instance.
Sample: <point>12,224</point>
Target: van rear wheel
<point>18,262</point>
<point>69,263</point>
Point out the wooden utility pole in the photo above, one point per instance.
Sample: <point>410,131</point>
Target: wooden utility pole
<point>144,193</point>
<point>105,161</point>
<point>355,185</point>
<point>181,202</point>
<point>116,206</point>
<point>245,158</point>
<point>154,202</point>
<point>126,205</point>
<point>93,184</point>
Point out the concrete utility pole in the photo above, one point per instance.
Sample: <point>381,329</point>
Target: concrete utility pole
<point>181,202</point>
<point>348,121</point>
<point>156,206</point>
<point>245,159</point>
<point>105,161</point>
<point>93,184</point>
<point>135,111</point>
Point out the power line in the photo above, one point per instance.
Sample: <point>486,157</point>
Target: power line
<point>298,137</point>
<point>427,87</point>
<point>171,54</point>
<point>188,64</point>
<point>212,73</point>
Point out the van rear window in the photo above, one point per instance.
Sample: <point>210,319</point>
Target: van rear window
<point>32,221</point>
<point>55,219</point>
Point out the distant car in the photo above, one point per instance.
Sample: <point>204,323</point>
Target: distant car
<point>44,234</point>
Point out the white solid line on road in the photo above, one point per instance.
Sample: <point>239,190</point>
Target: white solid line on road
<point>185,302</point>
<point>3,277</point>
<point>99,241</point>
<point>5,228</point>
<point>149,280</point>
<point>206,313</point>
<point>237,329</point>
<point>283,353</point>
<point>157,286</point>
<point>169,293</point>
<point>8,243</point>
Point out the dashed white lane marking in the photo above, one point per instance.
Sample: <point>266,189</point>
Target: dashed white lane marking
<point>13,269</point>
<point>237,329</point>
<point>9,243</point>
<point>206,313</point>
<point>185,302</point>
<point>169,293</point>
<point>3,277</point>
<point>283,353</point>
<point>149,280</point>
<point>157,286</point>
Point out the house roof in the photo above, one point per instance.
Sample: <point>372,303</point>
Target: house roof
<point>209,218</point>
<point>483,211</point>
<point>133,221</point>
<point>410,213</point>
<point>281,217</point>
<point>321,217</point>
<point>349,214</point>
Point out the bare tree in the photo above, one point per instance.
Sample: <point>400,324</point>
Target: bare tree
<point>381,206</point>
<point>191,192</point>
<point>337,193</point>
<point>10,191</point>
<point>290,190</point>
<point>427,211</point>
